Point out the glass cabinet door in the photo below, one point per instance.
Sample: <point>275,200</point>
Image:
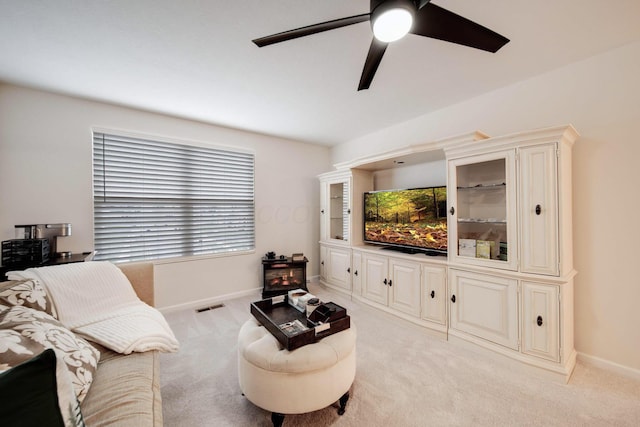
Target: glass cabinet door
<point>482,210</point>
<point>339,211</point>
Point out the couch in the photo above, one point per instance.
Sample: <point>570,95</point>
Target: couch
<point>125,388</point>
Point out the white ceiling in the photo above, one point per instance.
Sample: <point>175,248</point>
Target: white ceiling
<point>194,58</point>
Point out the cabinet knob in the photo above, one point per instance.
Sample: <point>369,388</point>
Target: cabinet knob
<point>349,211</point>
<point>433,294</point>
<point>348,269</point>
<point>321,211</point>
<point>452,210</point>
<point>321,262</point>
<point>389,282</point>
<point>453,299</point>
<point>384,281</point>
<point>355,272</point>
<point>539,320</point>
<point>538,209</point>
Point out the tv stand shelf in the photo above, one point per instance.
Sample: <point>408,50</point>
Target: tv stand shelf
<point>412,251</point>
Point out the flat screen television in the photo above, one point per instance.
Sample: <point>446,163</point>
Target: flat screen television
<point>412,220</point>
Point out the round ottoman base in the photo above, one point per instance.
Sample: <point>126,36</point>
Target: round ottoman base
<point>307,379</point>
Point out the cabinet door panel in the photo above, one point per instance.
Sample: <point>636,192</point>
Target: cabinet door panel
<point>434,294</point>
<point>404,287</point>
<point>485,306</point>
<point>339,210</point>
<point>338,272</point>
<point>323,262</point>
<point>356,276</point>
<point>538,189</point>
<point>324,211</point>
<point>540,320</point>
<point>375,273</point>
<point>335,208</point>
<point>481,197</point>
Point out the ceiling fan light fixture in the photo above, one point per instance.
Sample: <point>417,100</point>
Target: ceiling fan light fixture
<point>392,20</point>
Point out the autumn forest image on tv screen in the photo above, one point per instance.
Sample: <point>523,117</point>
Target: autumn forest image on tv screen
<point>414,218</point>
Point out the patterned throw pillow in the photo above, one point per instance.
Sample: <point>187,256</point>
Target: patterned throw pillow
<point>28,293</point>
<point>25,332</point>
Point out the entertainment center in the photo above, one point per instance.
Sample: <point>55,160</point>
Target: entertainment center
<point>503,280</point>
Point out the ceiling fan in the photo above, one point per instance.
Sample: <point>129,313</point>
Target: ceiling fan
<point>393,19</point>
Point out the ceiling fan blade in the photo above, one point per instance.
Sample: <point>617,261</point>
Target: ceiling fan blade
<point>311,29</point>
<point>376,51</point>
<point>422,3</point>
<point>438,23</point>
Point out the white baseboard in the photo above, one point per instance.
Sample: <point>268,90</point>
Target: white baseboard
<point>609,366</point>
<point>215,300</point>
<point>210,301</point>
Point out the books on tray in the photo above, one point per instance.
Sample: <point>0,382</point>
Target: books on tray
<point>293,327</point>
<point>298,298</point>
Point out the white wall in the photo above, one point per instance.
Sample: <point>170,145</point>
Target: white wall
<point>430,174</point>
<point>599,96</point>
<point>45,176</point>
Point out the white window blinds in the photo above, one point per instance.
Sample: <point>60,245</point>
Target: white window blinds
<point>155,199</point>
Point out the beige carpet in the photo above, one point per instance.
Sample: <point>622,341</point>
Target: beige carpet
<point>405,376</point>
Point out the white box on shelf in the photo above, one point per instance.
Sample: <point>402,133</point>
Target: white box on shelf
<point>486,249</point>
<point>467,247</point>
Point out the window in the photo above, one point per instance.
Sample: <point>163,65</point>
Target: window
<point>156,199</point>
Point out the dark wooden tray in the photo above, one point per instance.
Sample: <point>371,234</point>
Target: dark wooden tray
<point>272,314</point>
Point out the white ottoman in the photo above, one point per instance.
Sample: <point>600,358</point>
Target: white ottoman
<point>306,379</point>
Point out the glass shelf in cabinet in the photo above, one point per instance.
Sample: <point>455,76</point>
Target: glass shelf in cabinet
<point>482,221</point>
<point>502,185</point>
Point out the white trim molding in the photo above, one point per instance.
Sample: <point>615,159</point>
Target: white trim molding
<point>609,366</point>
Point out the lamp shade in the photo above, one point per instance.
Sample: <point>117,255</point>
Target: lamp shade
<point>392,20</point>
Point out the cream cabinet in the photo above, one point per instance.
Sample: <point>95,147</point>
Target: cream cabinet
<point>506,211</point>
<point>539,209</point>
<point>485,306</point>
<point>507,282</point>
<point>340,199</point>
<point>434,294</point>
<point>392,282</point>
<point>518,296</point>
<point>340,226</point>
<point>375,273</point>
<point>481,196</point>
<point>541,320</point>
<point>335,267</point>
<point>405,286</point>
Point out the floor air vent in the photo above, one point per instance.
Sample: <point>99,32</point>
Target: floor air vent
<point>212,307</point>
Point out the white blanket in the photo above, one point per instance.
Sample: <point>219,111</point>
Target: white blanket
<point>96,300</point>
